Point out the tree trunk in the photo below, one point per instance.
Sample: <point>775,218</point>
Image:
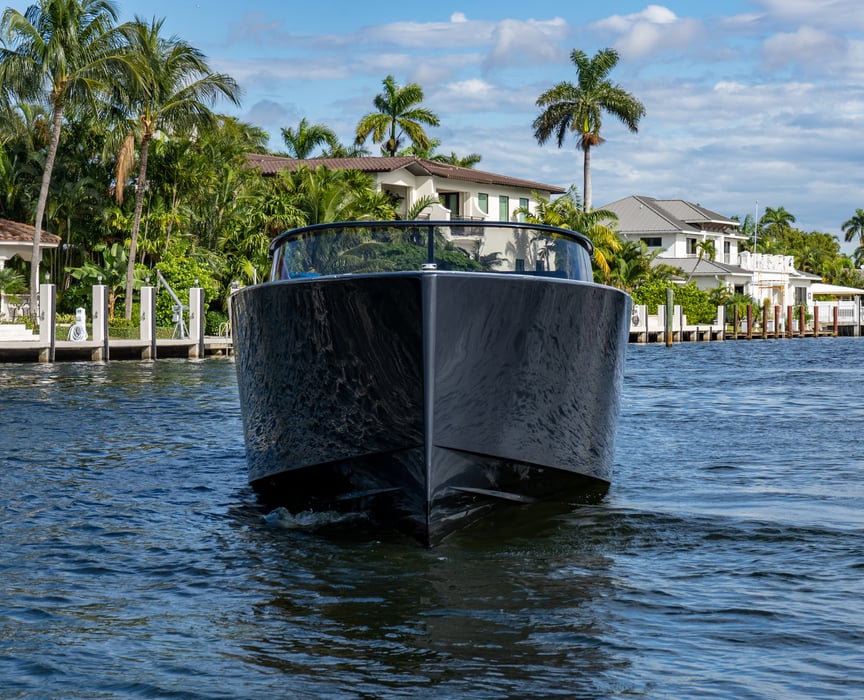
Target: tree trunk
<point>136,223</point>
<point>586,177</point>
<point>40,213</point>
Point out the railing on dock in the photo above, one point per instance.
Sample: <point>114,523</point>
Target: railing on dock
<point>91,341</point>
<point>646,327</point>
<point>822,319</point>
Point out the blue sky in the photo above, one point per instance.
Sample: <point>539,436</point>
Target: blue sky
<point>746,100</point>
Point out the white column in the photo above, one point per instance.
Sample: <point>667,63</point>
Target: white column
<point>148,322</point>
<point>196,321</point>
<point>100,322</point>
<point>47,322</point>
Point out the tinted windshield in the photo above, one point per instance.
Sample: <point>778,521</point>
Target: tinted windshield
<point>395,246</point>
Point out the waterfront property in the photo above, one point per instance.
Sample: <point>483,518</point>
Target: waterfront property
<point>460,193</point>
<point>704,245</point>
<point>828,318</point>
<point>89,340</point>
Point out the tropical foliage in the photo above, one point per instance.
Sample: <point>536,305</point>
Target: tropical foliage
<point>578,108</point>
<point>160,85</point>
<point>398,114</point>
<point>58,50</point>
<point>109,138</point>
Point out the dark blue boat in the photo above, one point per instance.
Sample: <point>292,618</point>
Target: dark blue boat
<point>426,372</point>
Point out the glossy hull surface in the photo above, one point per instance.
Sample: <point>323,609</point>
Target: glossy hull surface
<point>428,398</point>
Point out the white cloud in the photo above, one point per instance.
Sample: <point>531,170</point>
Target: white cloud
<point>806,47</point>
<point>654,29</point>
<point>459,32</point>
<point>518,42</point>
<point>838,14</point>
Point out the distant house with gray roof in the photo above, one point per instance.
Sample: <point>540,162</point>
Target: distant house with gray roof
<point>676,227</point>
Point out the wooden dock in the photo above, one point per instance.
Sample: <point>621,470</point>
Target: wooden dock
<point>118,349</point>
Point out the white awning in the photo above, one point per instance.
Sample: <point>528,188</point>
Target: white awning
<point>835,290</point>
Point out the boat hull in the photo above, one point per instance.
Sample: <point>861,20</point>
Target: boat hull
<point>428,398</point>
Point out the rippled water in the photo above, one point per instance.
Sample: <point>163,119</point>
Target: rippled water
<point>727,561</point>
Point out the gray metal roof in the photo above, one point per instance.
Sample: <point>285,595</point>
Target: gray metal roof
<point>644,215</point>
<point>705,266</point>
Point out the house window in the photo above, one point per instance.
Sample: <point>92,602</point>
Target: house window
<point>739,289</point>
<point>523,204</point>
<point>800,296</point>
<point>503,208</point>
<point>450,200</point>
<point>691,246</point>
<point>483,202</point>
<point>655,242</point>
<point>727,252</point>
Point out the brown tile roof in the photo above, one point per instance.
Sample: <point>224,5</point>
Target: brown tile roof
<point>23,233</point>
<point>270,165</point>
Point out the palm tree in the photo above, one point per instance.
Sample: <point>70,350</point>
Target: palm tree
<point>398,115</point>
<point>429,153</point>
<point>164,85</point>
<point>307,137</point>
<point>855,227</point>
<point>565,212</point>
<point>776,220</point>
<point>705,248</point>
<point>579,108</point>
<point>57,50</point>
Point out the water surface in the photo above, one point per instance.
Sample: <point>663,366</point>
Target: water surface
<point>726,561</point>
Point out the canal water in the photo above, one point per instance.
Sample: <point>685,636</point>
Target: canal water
<point>726,562</point>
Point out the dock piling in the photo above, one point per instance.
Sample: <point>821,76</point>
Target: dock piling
<point>47,322</point>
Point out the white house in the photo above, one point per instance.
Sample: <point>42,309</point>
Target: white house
<point>458,193</point>
<point>462,193</point>
<point>676,228</point>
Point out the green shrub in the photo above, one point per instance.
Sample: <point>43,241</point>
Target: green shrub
<point>695,303</point>
<point>119,327</point>
<point>77,295</point>
<point>181,272</point>
<point>213,320</point>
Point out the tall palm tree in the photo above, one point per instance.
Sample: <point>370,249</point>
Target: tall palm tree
<point>303,141</point>
<point>579,108</point>
<point>163,85</point>
<point>854,226</point>
<point>57,51</point>
<point>398,115</point>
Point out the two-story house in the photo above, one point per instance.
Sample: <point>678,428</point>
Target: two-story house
<point>456,193</point>
<point>461,193</point>
<point>678,230</point>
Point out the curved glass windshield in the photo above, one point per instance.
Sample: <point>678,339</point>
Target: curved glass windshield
<point>399,246</point>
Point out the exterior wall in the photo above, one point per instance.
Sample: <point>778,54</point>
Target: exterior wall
<point>770,278</point>
<point>412,188</point>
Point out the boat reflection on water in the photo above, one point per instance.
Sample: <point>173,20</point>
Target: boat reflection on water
<point>426,372</point>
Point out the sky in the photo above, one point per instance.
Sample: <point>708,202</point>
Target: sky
<point>748,103</point>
